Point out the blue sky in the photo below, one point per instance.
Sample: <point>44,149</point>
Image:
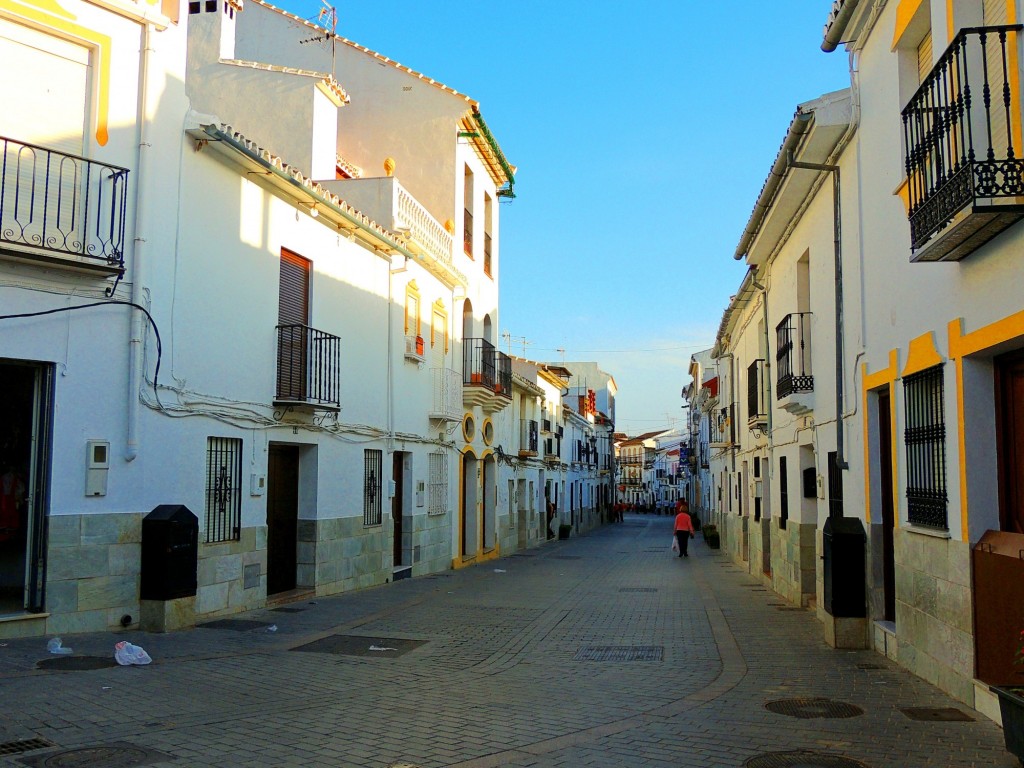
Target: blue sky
<point>643,132</point>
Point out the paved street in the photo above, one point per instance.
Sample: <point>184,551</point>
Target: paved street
<point>604,650</point>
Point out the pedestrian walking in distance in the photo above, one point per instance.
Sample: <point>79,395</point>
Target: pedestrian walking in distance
<point>683,528</point>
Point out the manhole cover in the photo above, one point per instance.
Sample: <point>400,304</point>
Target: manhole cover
<point>235,625</point>
<point>118,754</point>
<point>24,745</point>
<point>638,589</point>
<point>937,714</point>
<point>76,663</point>
<point>287,610</point>
<point>358,645</point>
<point>620,653</point>
<point>801,759</point>
<point>809,709</point>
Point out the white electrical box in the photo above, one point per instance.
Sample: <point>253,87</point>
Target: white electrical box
<point>420,489</point>
<point>392,489</point>
<point>97,466</point>
<point>758,488</point>
<point>257,484</point>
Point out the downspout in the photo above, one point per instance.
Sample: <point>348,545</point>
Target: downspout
<point>837,238</point>
<point>834,31</point>
<point>767,373</point>
<point>135,333</point>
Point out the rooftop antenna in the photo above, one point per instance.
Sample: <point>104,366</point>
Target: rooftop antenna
<point>561,351</point>
<point>328,19</point>
<point>509,338</point>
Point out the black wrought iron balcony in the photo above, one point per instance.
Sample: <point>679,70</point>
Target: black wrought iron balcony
<point>503,374</point>
<point>757,406</point>
<point>54,205</point>
<point>308,368</point>
<point>723,427</point>
<point>964,176</point>
<point>793,356</point>
<point>528,437</point>
<point>479,363</point>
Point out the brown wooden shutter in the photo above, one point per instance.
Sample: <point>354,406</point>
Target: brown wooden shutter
<point>292,334</point>
<point>294,292</point>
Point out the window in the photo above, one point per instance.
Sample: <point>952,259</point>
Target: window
<point>783,493</point>
<point>439,325</point>
<point>925,439</point>
<point>438,484</point>
<point>412,309</point>
<point>223,489</point>
<point>373,463</point>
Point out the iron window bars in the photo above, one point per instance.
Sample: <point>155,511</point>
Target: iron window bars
<point>757,409</point>
<point>793,358</point>
<point>958,132</point>
<point>61,203</point>
<point>925,440</point>
<point>373,463</point>
<point>438,484</point>
<point>223,489</point>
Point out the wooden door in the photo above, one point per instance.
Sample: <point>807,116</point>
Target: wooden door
<point>396,505</point>
<point>1010,440</point>
<point>282,517</point>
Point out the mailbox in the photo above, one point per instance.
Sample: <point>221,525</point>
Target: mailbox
<point>843,542</point>
<point>170,552</point>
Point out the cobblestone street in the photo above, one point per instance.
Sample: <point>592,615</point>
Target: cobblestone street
<point>603,650</point>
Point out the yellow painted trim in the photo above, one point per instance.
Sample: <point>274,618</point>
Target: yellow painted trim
<point>961,345</point>
<point>905,12</point>
<point>45,17</point>
<point>903,193</point>
<point>438,312</point>
<point>460,561</point>
<point>412,298</point>
<point>950,23</point>
<point>886,377</point>
<point>467,420</point>
<point>483,433</point>
<point>922,354</point>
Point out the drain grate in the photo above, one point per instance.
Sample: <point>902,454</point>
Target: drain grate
<point>287,610</point>
<point>118,754</point>
<point>638,589</point>
<point>24,745</point>
<point>235,625</point>
<point>620,653</point>
<point>937,714</point>
<point>360,645</point>
<point>809,709</point>
<point>801,758</point>
<point>76,663</point>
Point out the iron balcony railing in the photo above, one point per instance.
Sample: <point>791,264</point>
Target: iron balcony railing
<point>757,408</point>
<point>723,426</point>
<point>793,358</point>
<point>479,363</point>
<point>308,366</point>
<point>959,131</point>
<point>503,371</point>
<point>63,204</point>
<point>528,436</point>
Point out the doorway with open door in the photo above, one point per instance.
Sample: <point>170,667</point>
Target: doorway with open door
<point>26,411</point>
<point>282,517</point>
<point>401,515</point>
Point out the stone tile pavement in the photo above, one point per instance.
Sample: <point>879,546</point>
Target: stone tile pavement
<point>499,677</point>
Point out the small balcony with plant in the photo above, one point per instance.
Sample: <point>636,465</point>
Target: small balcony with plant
<point>61,209</point>
<point>486,375</point>
<point>722,427</point>
<point>963,157</point>
<point>794,385</point>
<point>757,398</point>
<point>529,437</point>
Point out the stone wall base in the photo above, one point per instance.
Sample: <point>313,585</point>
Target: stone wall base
<point>168,615</point>
<point>845,633</point>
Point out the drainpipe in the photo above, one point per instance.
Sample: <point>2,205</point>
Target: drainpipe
<point>767,372</point>
<point>136,327</point>
<point>835,31</point>
<point>837,237</point>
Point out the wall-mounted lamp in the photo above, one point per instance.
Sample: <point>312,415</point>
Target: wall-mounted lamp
<point>313,210</point>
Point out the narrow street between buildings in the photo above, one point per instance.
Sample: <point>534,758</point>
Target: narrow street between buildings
<point>601,650</point>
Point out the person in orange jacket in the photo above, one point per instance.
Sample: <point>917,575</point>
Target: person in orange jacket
<point>683,527</point>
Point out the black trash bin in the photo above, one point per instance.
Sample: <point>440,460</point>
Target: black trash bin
<point>843,544</point>
<point>170,553</point>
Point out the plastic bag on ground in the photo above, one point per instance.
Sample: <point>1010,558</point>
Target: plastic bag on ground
<point>125,654</point>
<point>56,646</point>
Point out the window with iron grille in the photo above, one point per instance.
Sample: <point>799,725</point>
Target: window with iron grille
<point>438,484</point>
<point>783,493</point>
<point>373,462</point>
<point>835,486</point>
<point>223,489</point>
<point>925,438</point>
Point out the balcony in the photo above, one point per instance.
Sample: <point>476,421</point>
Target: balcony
<point>446,404</point>
<point>552,449</point>
<point>528,438</point>
<point>723,428</point>
<point>308,368</point>
<point>795,383</point>
<point>965,183</point>
<point>62,209</point>
<point>486,375</point>
<point>757,401</point>
<point>387,202</point>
